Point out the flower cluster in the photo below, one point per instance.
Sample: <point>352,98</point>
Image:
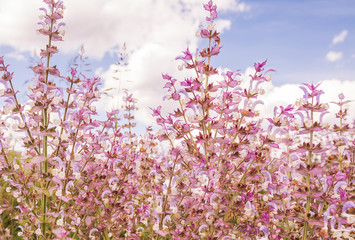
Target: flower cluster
<point>214,169</point>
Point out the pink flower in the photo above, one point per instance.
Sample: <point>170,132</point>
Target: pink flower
<point>7,76</point>
<point>73,72</point>
<point>259,66</point>
<point>156,112</point>
<point>187,56</point>
<point>212,9</point>
<point>61,233</point>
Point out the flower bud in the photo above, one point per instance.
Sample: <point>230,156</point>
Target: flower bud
<point>73,71</point>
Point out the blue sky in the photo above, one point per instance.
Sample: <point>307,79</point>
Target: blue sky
<point>295,36</point>
<point>305,41</point>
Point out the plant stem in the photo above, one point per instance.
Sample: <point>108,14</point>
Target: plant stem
<point>308,180</point>
<point>44,202</point>
<point>341,134</point>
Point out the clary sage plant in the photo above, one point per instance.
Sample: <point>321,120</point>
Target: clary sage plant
<point>213,169</point>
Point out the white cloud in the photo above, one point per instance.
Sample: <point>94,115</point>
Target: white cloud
<point>340,37</point>
<point>102,25</point>
<point>18,24</point>
<point>333,56</point>
<point>242,7</point>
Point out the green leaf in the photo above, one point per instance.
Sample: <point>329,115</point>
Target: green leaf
<point>123,233</point>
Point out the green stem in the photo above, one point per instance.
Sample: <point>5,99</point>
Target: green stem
<point>308,180</point>
<point>305,230</point>
<point>44,201</point>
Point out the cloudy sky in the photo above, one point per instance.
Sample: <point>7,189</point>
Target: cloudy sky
<point>304,40</point>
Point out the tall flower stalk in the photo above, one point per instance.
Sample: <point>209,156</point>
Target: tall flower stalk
<point>50,28</point>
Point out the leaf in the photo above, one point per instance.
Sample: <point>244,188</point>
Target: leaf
<point>123,233</point>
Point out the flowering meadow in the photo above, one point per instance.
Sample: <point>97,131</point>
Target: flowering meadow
<point>211,169</point>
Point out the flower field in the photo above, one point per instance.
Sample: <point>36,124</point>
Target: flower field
<point>213,168</point>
